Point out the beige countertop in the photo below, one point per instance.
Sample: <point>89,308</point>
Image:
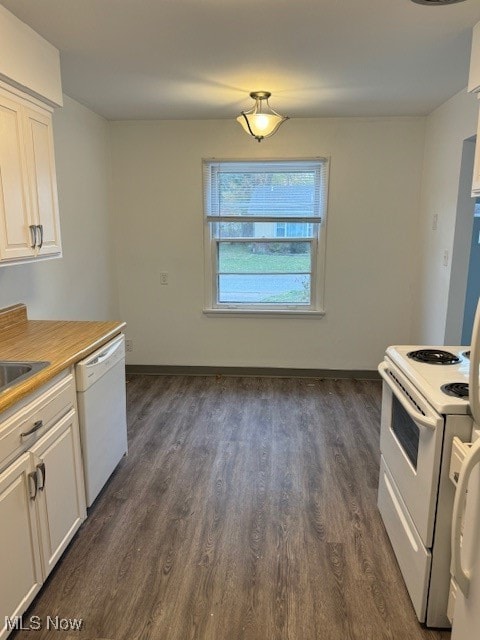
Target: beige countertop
<point>62,343</point>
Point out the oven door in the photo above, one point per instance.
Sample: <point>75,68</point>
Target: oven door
<point>411,439</point>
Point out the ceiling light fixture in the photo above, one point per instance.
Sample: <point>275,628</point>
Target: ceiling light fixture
<point>261,121</point>
<point>437,3</point>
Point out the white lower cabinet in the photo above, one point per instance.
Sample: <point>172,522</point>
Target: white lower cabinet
<point>60,491</point>
<point>21,574</point>
<point>42,497</point>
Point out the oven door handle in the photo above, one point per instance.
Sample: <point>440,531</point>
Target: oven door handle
<point>419,418</point>
<point>462,576</point>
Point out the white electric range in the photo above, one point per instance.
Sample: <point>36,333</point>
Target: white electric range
<point>449,365</point>
<point>420,418</point>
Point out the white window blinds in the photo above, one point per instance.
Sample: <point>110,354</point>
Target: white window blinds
<point>265,190</point>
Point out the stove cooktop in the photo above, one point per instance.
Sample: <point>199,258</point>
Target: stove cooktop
<point>455,389</point>
<point>434,380</point>
<point>433,356</point>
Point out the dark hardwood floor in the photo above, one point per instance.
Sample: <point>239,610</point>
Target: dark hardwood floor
<point>246,510</point>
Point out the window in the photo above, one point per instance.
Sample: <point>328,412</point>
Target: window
<point>264,234</point>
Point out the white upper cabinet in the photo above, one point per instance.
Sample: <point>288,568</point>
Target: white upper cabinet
<point>17,234</point>
<point>42,179</point>
<point>474,77</point>
<point>29,220</point>
<point>476,166</point>
<point>474,86</point>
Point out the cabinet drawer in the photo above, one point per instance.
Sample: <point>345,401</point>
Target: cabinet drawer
<point>24,427</point>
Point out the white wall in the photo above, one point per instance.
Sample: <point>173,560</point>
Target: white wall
<point>447,128</point>
<point>375,178</point>
<point>81,285</point>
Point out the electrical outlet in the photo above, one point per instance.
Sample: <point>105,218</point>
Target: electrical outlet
<point>435,222</point>
<point>164,277</point>
<point>129,345</point>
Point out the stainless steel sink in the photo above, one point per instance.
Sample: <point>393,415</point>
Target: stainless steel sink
<point>13,372</point>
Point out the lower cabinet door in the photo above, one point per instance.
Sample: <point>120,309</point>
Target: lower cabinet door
<point>20,566</point>
<point>61,493</point>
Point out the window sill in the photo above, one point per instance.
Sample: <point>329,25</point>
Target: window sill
<point>293,313</point>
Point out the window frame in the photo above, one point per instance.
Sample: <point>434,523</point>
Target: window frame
<point>317,242</point>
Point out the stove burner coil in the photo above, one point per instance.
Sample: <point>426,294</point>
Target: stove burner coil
<point>433,356</point>
<point>456,389</point>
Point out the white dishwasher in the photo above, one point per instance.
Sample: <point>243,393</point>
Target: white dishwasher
<point>102,413</point>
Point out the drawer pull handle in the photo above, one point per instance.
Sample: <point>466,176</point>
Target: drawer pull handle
<point>41,469</point>
<point>37,425</point>
<point>32,477</point>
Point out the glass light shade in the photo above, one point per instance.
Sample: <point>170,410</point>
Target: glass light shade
<point>261,121</point>
<point>260,125</point>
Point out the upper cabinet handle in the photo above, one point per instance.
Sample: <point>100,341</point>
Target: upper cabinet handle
<point>33,234</point>
<point>40,228</point>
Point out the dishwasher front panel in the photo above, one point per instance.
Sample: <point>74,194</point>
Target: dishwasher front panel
<point>103,428</point>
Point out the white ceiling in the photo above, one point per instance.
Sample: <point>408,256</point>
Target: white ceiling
<point>149,59</point>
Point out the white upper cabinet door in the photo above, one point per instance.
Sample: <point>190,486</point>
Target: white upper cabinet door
<point>16,234</point>
<point>476,165</point>
<point>61,492</point>
<point>42,179</point>
<point>21,576</point>
<point>474,77</point>
<point>29,219</point>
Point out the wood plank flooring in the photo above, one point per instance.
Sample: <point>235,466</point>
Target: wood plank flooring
<point>246,510</point>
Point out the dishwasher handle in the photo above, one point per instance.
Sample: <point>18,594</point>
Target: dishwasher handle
<point>96,365</point>
<point>104,355</point>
